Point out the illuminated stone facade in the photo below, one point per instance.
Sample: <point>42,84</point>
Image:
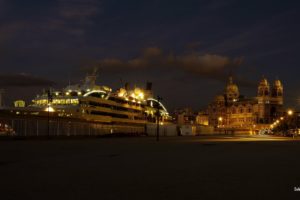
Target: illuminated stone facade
<point>231,110</point>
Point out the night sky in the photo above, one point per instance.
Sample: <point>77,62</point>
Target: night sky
<point>186,48</point>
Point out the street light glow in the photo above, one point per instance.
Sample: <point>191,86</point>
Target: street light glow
<point>49,109</point>
<point>290,112</point>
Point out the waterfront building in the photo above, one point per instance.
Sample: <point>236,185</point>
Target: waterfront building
<point>231,110</point>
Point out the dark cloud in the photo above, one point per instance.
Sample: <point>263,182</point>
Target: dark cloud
<point>193,45</point>
<point>10,30</point>
<point>78,9</point>
<point>74,16</point>
<point>23,80</point>
<point>211,66</point>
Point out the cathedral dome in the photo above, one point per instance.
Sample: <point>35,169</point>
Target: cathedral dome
<point>232,91</point>
<point>231,87</point>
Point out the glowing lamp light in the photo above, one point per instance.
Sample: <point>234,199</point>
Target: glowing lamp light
<point>290,112</point>
<point>49,109</point>
<point>220,119</point>
<point>141,95</point>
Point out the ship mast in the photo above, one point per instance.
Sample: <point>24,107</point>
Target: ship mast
<point>91,78</point>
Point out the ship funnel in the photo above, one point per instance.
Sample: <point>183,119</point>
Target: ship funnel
<point>127,86</point>
<point>149,86</point>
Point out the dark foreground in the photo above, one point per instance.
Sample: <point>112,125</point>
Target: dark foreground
<point>141,168</point>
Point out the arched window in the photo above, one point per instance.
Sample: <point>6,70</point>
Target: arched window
<point>266,92</point>
<point>233,110</point>
<point>241,110</point>
<point>249,109</point>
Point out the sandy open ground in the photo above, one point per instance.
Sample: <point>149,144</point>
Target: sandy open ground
<point>141,168</point>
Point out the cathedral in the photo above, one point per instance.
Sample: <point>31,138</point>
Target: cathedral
<point>233,111</point>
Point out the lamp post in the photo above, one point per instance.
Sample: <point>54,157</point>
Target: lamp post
<point>290,113</point>
<point>49,101</point>
<point>220,122</point>
<point>158,116</point>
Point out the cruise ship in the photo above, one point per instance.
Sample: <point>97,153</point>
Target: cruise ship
<point>91,103</point>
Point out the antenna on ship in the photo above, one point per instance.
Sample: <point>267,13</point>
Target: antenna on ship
<point>91,78</point>
<point>69,76</point>
<point>121,80</point>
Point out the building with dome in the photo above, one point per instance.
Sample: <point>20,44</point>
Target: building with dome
<point>233,111</point>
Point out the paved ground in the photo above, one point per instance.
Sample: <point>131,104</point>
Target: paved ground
<point>141,168</point>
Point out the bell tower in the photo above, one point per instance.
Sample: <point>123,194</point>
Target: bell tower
<point>277,92</point>
<point>270,101</point>
<point>263,98</point>
<point>263,88</point>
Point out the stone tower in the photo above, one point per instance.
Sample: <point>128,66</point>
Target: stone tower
<point>263,98</point>
<point>270,101</point>
<point>263,88</point>
<point>277,92</point>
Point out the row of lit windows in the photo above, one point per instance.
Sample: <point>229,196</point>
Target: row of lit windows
<point>120,108</point>
<point>57,101</point>
<point>241,110</point>
<point>235,110</point>
<point>246,119</point>
<point>117,115</point>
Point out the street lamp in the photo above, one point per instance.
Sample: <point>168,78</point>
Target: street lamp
<point>50,109</point>
<point>220,122</point>
<point>158,116</point>
<point>220,119</point>
<point>290,112</point>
